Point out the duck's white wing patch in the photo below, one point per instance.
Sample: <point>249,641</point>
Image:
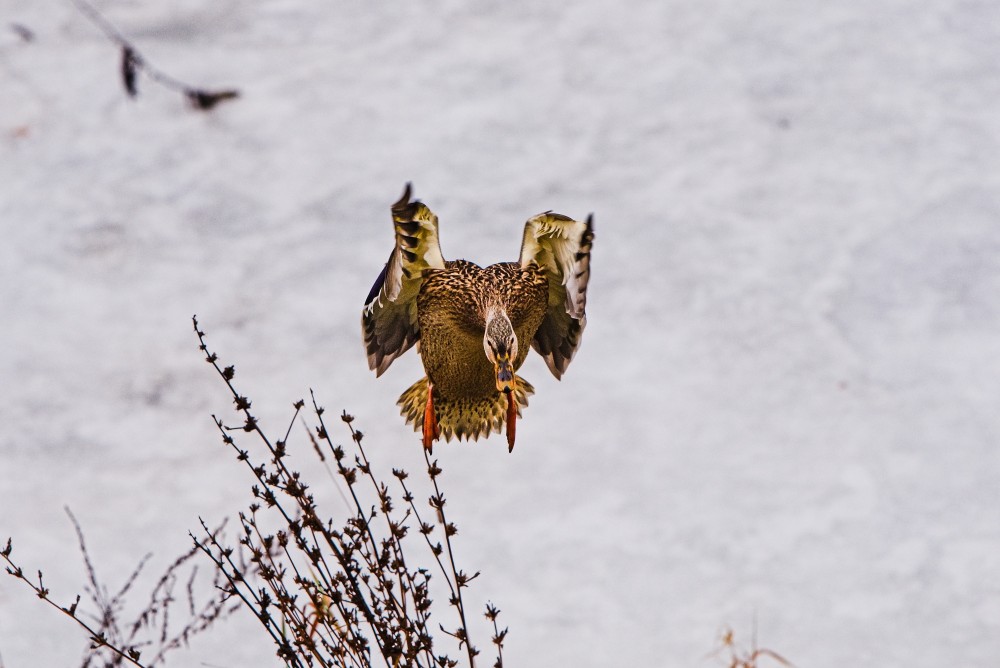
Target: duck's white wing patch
<point>389,319</point>
<point>561,246</point>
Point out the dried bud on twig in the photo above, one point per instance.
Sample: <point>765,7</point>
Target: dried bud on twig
<point>130,67</point>
<point>206,100</point>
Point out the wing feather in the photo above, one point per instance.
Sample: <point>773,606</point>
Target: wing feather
<point>561,247</point>
<point>389,319</point>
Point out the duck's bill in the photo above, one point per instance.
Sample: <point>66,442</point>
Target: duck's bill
<point>505,374</point>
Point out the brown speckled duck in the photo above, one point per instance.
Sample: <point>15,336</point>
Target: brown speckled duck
<point>475,325</point>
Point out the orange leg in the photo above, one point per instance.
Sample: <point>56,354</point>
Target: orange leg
<point>431,430</point>
<point>511,420</point>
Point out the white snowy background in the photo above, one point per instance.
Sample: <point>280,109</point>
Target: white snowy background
<point>787,401</point>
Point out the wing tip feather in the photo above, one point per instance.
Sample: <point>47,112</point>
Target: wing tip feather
<point>404,199</point>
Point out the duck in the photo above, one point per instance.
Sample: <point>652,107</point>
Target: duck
<point>474,326</point>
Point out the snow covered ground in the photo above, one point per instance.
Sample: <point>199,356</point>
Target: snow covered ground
<point>787,401</point>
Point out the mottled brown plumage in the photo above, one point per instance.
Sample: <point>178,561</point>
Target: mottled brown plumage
<point>475,324</point>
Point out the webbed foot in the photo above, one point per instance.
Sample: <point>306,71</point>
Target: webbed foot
<point>511,420</point>
<point>431,431</point>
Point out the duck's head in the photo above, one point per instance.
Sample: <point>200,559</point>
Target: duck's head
<point>500,344</point>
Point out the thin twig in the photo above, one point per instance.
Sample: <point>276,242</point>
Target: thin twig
<point>448,530</point>
<point>97,638</point>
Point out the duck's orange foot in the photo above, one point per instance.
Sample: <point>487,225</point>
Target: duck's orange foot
<point>431,430</point>
<point>511,420</point>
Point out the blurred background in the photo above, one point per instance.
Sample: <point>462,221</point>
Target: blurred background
<point>785,404</point>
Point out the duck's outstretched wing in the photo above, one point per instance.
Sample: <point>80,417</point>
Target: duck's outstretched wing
<point>389,320</point>
<point>561,247</point>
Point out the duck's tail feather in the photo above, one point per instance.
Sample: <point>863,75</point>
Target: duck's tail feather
<point>463,418</point>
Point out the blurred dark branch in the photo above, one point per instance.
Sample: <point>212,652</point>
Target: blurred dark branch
<point>26,35</point>
<point>133,62</point>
